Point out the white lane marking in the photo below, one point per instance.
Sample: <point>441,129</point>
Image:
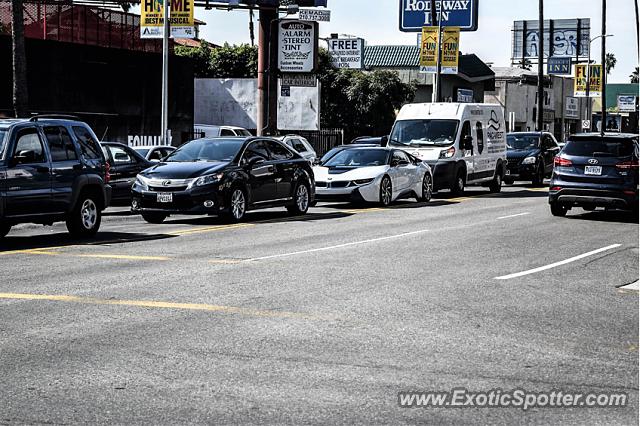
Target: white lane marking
<point>514,215</point>
<point>554,265</point>
<point>353,243</point>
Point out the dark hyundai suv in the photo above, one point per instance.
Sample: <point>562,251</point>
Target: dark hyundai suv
<point>227,176</point>
<point>595,171</point>
<point>52,170</point>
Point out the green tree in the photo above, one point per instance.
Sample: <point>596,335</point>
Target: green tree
<point>234,61</point>
<point>611,62</point>
<point>634,76</point>
<point>201,57</point>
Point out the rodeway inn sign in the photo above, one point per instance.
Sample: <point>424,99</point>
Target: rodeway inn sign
<point>415,14</point>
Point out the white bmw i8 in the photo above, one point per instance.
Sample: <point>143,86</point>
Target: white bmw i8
<point>373,174</point>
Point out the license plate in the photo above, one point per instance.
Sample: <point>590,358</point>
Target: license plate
<point>165,197</point>
<point>593,170</point>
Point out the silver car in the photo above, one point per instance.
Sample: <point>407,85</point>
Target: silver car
<point>300,145</point>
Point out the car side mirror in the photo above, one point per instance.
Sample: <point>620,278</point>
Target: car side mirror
<point>467,143</point>
<point>24,157</point>
<point>384,141</point>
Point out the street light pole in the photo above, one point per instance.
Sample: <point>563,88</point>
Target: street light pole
<point>540,117</point>
<point>164,134</point>
<point>604,68</point>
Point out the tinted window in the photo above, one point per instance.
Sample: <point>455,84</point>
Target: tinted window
<point>120,155</point>
<point>207,150</point>
<point>359,158</point>
<point>227,132</point>
<point>480,137</point>
<point>278,151</point>
<point>521,142</point>
<point>156,155</point>
<point>3,134</point>
<point>598,147</point>
<point>548,142</point>
<point>466,131</point>
<point>89,147</point>
<point>298,145</point>
<point>400,156</point>
<point>243,132</point>
<point>60,144</point>
<point>29,141</point>
<point>256,150</point>
<point>424,132</point>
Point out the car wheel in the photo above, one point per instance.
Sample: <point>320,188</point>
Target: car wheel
<point>85,218</point>
<point>427,188</point>
<point>4,230</point>
<point>496,183</point>
<point>301,200</point>
<point>153,217</point>
<point>386,191</point>
<point>237,205</point>
<point>457,187</point>
<point>538,179</point>
<point>558,210</point>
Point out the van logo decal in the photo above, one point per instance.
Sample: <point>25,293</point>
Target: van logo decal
<point>494,123</point>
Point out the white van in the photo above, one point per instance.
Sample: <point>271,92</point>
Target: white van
<point>465,144</point>
<point>210,131</point>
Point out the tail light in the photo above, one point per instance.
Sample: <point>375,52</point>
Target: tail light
<point>627,165</point>
<point>555,188</point>
<point>561,162</point>
<point>107,172</point>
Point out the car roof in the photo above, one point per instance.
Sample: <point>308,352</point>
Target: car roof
<point>526,133</point>
<point>606,135</point>
<point>152,146</point>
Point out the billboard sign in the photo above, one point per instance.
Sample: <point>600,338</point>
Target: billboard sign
<point>415,14</point>
<point>627,103</point>
<point>595,82</point>
<point>429,50</point>
<point>572,108</point>
<point>181,19</point>
<point>346,52</point>
<point>450,50</point>
<point>562,38</point>
<point>559,66</point>
<point>297,46</point>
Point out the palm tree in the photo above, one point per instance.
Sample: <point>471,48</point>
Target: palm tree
<point>611,62</point>
<point>634,76</point>
<point>20,92</point>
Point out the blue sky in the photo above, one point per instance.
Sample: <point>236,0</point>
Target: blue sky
<point>377,22</point>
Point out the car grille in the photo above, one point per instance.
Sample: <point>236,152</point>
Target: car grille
<point>321,184</point>
<point>168,188</point>
<point>339,184</point>
<point>513,161</point>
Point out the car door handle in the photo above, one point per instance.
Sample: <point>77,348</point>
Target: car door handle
<point>42,169</point>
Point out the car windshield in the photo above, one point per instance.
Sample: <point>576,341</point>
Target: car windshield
<point>520,142</point>
<point>358,158</point>
<point>598,147</point>
<point>424,132</point>
<point>207,150</point>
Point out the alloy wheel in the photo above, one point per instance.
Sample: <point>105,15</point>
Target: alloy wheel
<point>385,191</point>
<point>302,198</point>
<point>89,214</point>
<point>427,187</point>
<point>238,204</point>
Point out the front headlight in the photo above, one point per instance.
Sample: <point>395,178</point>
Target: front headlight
<point>448,153</point>
<point>529,160</point>
<point>141,183</point>
<point>362,181</point>
<point>208,179</point>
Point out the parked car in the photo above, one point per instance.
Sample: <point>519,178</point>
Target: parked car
<point>52,170</point>
<point>299,145</point>
<point>594,171</point>
<point>125,164</point>
<point>373,174</point>
<point>464,144</point>
<point>210,131</point>
<point>530,156</point>
<point>154,153</point>
<point>335,150</point>
<point>225,176</point>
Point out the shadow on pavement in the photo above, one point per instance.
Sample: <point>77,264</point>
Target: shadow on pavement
<point>257,217</point>
<point>63,239</point>
<point>619,216</point>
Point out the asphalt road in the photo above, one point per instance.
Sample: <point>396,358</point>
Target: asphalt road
<point>322,318</point>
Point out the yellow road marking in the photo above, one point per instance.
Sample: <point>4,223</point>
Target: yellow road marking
<point>369,210</point>
<point>37,249</point>
<point>225,261</point>
<point>457,200</point>
<point>210,229</point>
<point>119,256</point>
<point>162,305</point>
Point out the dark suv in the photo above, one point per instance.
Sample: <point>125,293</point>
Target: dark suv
<point>52,170</point>
<point>595,171</point>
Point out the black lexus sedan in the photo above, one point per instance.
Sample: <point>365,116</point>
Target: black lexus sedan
<point>530,156</point>
<point>225,176</point>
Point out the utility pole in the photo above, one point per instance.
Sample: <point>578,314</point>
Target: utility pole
<point>436,78</point>
<point>604,66</point>
<point>637,28</point>
<point>164,134</point>
<point>540,116</point>
<point>20,90</point>
<point>266,17</point>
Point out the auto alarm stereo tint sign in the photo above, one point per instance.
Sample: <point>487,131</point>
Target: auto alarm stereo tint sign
<point>298,41</point>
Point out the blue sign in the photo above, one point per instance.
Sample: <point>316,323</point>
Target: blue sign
<point>465,96</point>
<point>560,66</point>
<point>415,14</point>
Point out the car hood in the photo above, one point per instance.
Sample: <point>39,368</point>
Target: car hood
<point>178,170</point>
<point>522,153</point>
<point>324,174</point>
